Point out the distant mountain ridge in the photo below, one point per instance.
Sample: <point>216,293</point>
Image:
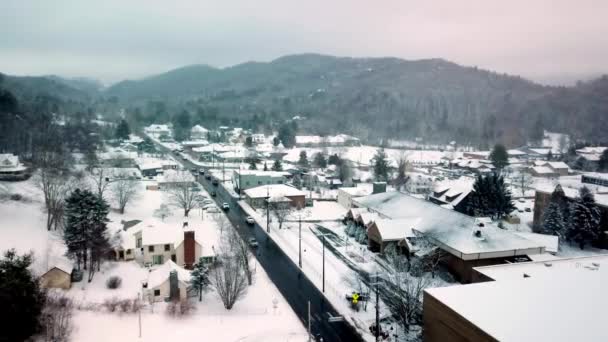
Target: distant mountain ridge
<point>369,97</point>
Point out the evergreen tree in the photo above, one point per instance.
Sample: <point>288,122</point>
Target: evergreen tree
<point>21,298</point>
<point>585,226</point>
<point>200,278</point>
<point>297,181</point>
<point>265,167</point>
<point>85,233</point>
<point>334,159</point>
<point>401,179</point>
<point>319,161</point>
<point>303,161</point>
<point>277,166</point>
<point>181,126</point>
<point>499,157</point>
<point>248,141</point>
<point>287,134</point>
<point>380,165</point>
<point>489,197</point>
<point>252,164</point>
<point>553,220</point>
<point>122,130</point>
<point>603,162</point>
<point>276,141</point>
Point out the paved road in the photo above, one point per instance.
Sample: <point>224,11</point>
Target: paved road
<point>284,273</point>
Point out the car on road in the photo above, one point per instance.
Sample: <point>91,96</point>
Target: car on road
<point>213,194</point>
<point>208,176</point>
<point>207,201</point>
<point>225,206</point>
<point>250,220</point>
<point>215,182</point>
<point>252,242</point>
<point>201,171</point>
<point>193,170</point>
<point>528,210</point>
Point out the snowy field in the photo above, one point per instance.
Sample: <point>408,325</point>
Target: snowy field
<point>23,226</point>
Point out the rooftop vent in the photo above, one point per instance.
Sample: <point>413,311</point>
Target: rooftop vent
<point>548,264</point>
<point>478,233</point>
<point>480,224</point>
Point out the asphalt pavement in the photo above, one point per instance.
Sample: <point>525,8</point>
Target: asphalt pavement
<point>284,273</point>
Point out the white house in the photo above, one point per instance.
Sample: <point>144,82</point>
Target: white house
<point>158,130</point>
<point>158,285</point>
<point>198,132</point>
<point>346,195</point>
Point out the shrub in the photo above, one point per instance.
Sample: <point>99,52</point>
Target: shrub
<point>113,282</point>
<point>16,197</point>
<point>179,308</point>
<point>111,304</point>
<point>57,317</point>
<point>125,305</point>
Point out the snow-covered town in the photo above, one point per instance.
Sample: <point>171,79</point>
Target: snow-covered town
<point>319,171</point>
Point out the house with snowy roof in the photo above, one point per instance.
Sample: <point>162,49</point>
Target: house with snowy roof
<point>591,154</point>
<point>549,169</point>
<point>256,197</point>
<point>453,194</point>
<point>167,282</point>
<point>157,130</point>
<point>556,300</point>
<point>198,132</point>
<point>382,232</point>
<point>467,242</point>
<point>58,275</point>
<point>11,169</point>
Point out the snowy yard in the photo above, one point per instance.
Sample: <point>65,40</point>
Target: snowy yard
<point>22,226</point>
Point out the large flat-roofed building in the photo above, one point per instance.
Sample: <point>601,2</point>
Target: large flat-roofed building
<point>558,301</point>
<point>257,197</point>
<point>247,179</point>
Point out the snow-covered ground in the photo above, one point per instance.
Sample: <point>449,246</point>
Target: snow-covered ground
<point>23,226</point>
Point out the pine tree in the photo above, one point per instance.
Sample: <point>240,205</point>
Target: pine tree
<point>21,298</point>
<point>122,130</point>
<point>277,166</point>
<point>319,160</point>
<point>252,164</point>
<point>265,167</point>
<point>499,157</point>
<point>380,164</point>
<point>401,180</point>
<point>603,162</point>
<point>489,197</point>
<point>85,232</point>
<point>200,278</point>
<point>585,226</point>
<point>553,220</point>
<point>303,161</point>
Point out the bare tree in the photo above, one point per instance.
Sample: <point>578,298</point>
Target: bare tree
<point>101,179</point>
<point>281,210</point>
<point>241,251</point>
<point>162,212</point>
<point>406,289</point>
<point>403,167</point>
<point>53,182</point>
<point>124,189</point>
<point>183,194</point>
<point>229,279</point>
<point>57,317</point>
<point>524,180</point>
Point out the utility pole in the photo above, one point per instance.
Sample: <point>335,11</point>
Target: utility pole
<point>139,313</point>
<point>267,210</point>
<point>300,240</point>
<point>323,263</point>
<point>309,334</point>
<point>223,179</point>
<point>377,309</point>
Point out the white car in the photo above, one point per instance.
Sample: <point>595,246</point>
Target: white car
<point>213,209</point>
<point>225,206</point>
<point>250,220</point>
<point>253,242</point>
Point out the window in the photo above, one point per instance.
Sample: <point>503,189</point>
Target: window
<point>259,182</point>
<point>150,248</point>
<point>157,259</point>
<point>156,293</point>
<point>128,252</point>
<point>167,247</point>
<point>138,243</point>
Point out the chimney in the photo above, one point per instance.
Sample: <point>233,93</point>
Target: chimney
<point>173,286</point>
<point>189,249</point>
<point>379,187</point>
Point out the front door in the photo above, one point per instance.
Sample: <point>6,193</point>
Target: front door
<point>173,258</point>
<point>121,255</point>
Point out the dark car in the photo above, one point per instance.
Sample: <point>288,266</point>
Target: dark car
<point>208,176</point>
<point>201,172</point>
<point>215,182</point>
<point>213,194</point>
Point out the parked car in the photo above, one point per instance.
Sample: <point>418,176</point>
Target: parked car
<point>201,171</point>
<point>213,194</point>
<point>250,220</point>
<point>208,201</point>
<point>225,206</point>
<point>209,205</point>
<point>253,242</point>
<point>215,182</point>
<point>208,176</point>
<point>213,209</point>
<point>528,210</point>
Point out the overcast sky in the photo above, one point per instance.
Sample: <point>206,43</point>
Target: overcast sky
<point>111,40</point>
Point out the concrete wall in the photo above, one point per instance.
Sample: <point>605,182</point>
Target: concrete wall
<point>56,279</point>
<point>443,324</point>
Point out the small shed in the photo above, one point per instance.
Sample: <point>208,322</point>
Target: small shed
<point>159,282</point>
<point>59,276</point>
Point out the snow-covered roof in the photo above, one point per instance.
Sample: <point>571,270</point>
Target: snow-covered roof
<point>316,139</point>
<point>61,263</point>
<point>155,128</point>
<point>367,217</point>
<point>452,231</point>
<point>542,268</point>
<point>453,191</point>
<point>555,303</point>
<point>192,143</point>
<point>273,190</point>
<point>571,186</point>
<point>161,274</point>
<point>550,242</point>
<point>199,129</point>
<point>261,173</point>
<point>541,170</point>
<point>395,230</point>
<point>357,191</point>
<point>10,163</point>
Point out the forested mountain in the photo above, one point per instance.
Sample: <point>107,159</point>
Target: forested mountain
<point>370,97</point>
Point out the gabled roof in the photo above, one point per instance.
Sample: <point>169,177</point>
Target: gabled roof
<point>396,230</point>
<point>161,274</point>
